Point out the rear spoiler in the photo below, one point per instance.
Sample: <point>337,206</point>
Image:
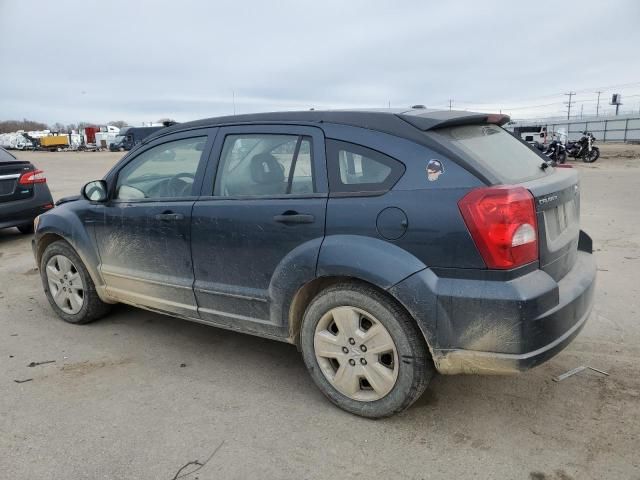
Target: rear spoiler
<point>431,120</point>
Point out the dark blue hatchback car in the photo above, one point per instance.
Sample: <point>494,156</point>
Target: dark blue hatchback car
<point>386,245</point>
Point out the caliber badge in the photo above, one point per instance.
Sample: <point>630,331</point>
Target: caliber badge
<point>434,170</point>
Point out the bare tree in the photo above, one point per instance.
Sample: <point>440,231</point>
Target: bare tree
<point>58,127</point>
<point>118,123</point>
<point>9,126</point>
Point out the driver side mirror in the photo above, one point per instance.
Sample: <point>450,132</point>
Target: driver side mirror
<point>95,191</point>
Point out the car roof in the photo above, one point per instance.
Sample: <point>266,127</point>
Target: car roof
<point>394,121</point>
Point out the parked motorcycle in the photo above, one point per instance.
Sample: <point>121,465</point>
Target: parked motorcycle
<point>584,148</point>
<point>555,151</point>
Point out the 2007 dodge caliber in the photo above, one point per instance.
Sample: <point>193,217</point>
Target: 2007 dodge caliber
<point>386,245</point>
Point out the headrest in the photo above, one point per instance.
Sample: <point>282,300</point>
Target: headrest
<point>265,169</point>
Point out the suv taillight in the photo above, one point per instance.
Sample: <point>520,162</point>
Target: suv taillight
<point>502,222</point>
<point>34,176</point>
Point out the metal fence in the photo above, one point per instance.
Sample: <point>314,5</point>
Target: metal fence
<point>611,129</point>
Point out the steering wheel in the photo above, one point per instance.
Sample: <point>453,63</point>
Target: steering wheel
<point>177,187</point>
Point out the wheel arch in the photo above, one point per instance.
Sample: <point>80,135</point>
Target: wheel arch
<point>81,244</point>
<point>306,293</point>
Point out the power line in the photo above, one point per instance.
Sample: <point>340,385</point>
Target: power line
<point>602,89</point>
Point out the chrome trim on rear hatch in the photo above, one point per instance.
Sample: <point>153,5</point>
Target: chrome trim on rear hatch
<point>9,177</point>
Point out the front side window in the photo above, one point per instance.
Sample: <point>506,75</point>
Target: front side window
<point>354,168</point>
<point>164,171</point>
<point>265,165</point>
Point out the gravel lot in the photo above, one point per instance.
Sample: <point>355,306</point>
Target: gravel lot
<point>137,395</point>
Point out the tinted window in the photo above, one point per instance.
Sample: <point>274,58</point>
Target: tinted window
<point>497,150</point>
<point>353,168</point>
<point>265,164</point>
<point>165,171</point>
<point>6,156</point>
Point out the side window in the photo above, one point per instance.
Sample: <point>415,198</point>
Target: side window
<point>265,165</point>
<point>353,168</point>
<point>164,171</point>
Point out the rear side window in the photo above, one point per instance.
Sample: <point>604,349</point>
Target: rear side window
<point>496,150</point>
<point>265,165</point>
<point>354,168</point>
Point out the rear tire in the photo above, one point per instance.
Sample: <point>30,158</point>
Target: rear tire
<point>26,229</point>
<point>68,285</point>
<point>363,351</point>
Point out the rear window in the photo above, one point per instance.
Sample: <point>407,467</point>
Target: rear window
<point>6,156</point>
<point>496,150</point>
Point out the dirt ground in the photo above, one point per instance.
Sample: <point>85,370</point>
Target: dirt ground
<point>137,395</point>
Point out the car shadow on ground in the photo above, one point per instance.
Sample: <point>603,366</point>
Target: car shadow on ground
<point>213,348</point>
<point>11,234</point>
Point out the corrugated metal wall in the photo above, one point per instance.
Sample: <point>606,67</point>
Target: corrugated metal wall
<point>605,129</point>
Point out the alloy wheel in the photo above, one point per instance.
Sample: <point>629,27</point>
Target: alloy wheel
<point>65,284</point>
<point>356,353</point>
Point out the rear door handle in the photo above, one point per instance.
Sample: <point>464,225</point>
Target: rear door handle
<point>167,217</point>
<point>294,218</point>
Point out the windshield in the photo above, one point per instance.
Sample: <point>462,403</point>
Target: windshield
<point>496,150</point>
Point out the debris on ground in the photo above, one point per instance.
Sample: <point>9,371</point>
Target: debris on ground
<point>35,364</point>
<point>198,464</point>
<point>23,381</point>
<point>568,374</point>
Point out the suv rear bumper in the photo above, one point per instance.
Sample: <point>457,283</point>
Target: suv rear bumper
<point>22,212</point>
<point>498,327</point>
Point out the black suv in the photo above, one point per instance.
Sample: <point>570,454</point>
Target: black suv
<point>386,245</point>
<point>24,193</point>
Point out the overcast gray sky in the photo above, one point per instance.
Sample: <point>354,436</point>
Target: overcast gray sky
<point>70,61</point>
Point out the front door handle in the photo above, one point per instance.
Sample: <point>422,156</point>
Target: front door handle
<point>167,216</point>
<point>294,217</point>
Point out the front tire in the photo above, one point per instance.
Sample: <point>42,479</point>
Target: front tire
<point>68,285</point>
<point>590,157</point>
<point>363,351</point>
<point>562,158</point>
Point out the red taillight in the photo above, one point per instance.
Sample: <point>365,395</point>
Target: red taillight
<point>502,222</point>
<point>34,176</point>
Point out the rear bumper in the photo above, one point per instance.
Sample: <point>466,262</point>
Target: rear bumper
<point>22,212</point>
<point>458,361</point>
<point>499,327</point>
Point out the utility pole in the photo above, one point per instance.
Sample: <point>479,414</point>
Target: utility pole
<point>450,102</point>
<point>598,104</point>
<point>233,97</point>
<point>581,110</point>
<point>570,94</point>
